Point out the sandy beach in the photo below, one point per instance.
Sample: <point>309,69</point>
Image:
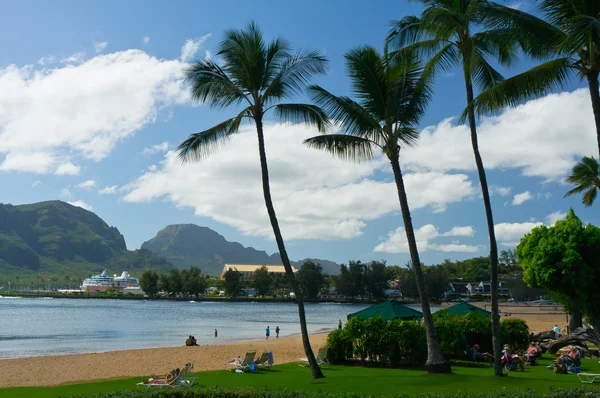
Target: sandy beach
<point>54,370</point>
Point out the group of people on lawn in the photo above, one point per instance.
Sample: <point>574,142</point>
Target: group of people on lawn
<point>510,357</point>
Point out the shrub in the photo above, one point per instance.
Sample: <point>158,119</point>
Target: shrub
<point>339,346</point>
<point>515,333</point>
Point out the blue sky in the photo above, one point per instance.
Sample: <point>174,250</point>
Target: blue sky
<point>91,103</point>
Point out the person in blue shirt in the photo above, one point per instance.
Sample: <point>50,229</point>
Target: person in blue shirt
<point>268,332</point>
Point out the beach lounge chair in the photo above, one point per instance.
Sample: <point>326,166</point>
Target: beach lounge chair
<point>588,377</point>
<point>266,360</point>
<point>244,363</point>
<point>321,358</point>
<point>176,378</point>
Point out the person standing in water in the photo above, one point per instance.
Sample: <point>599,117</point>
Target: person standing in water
<point>268,332</point>
<point>277,332</point>
<point>216,333</point>
<point>340,325</point>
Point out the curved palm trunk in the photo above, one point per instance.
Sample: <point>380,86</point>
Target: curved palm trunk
<point>592,78</point>
<point>436,362</point>
<point>492,233</point>
<point>314,367</point>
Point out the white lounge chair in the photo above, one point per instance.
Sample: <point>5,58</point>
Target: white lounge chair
<point>244,363</point>
<point>588,377</point>
<point>321,358</point>
<point>184,379</point>
<point>266,360</point>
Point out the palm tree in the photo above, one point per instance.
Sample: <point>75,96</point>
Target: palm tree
<point>571,37</point>
<point>256,76</point>
<point>447,33</point>
<point>393,96</point>
<point>586,178</point>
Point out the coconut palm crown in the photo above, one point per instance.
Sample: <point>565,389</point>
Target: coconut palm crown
<point>586,178</point>
<point>392,96</point>
<point>256,76</point>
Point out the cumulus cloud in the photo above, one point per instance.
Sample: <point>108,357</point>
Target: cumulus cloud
<point>100,45</point>
<point>47,60</point>
<point>509,234</point>
<point>145,40</point>
<point>316,195</point>
<point>87,185</point>
<point>81,111</point>
<point>502,191</point>
<point>553,217</point>
<point>82,204</point>
<point>396,241</point>
<point>65,193</point>
<point>521,198</point>
<point>76,58</point>
<point>36,184</point>
<point>191,47</point>
<point>162,147</point>
<point>108,190</point>
<point>67,168</point>
<point>530,138</point>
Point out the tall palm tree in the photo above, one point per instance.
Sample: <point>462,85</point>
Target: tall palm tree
<point>392,98</point>
<point>586,178</point>
<point>571,37</point>
<point>447,33</point>
<point>256,76</point>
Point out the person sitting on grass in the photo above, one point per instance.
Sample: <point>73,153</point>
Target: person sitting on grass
<point>511,359</point>
<point>477,356</point>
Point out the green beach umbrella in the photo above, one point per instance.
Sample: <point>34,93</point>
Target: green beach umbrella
<point>388,310</point>
<point>463,309</point>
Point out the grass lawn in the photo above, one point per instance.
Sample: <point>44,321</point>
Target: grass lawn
<point>351,379</point>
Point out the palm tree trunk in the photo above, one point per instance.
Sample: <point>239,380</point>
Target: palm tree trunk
<point>492,234</point>
<point>436,362</point>
<point>592,78</point>
<point>314,367</point>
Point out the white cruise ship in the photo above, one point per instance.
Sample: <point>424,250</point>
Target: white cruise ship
<point>103,281</point>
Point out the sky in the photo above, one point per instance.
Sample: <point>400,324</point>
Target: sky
<point>92,108</point>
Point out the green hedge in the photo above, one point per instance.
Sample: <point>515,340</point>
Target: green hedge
<point>400,342</point>
<point>246,392</point>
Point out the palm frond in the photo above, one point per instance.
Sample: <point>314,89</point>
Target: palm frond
<point>484,75</point>
<point>589,197</point>
<point>406,136</point>
<point>353,117</point>
<point>533,83</point>
<point>560,12</point>
<point>582,32</point>
<point>404,32</point>
<point>200,145</point>
<point>443,23</point>
<point>277,53</point>
<point>369,82</point>
<point>211,85</point>
<point>409,90</point>
<point>345,147</point>
<point>303,113</point>
<point>586,178</point>
<point>498,43</point>
<point>424,49</point>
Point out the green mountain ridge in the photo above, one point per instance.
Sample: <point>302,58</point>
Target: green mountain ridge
<point>189,244</point>
<point>57,238</point>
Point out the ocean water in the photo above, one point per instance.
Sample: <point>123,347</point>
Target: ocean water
<point>35,327</point>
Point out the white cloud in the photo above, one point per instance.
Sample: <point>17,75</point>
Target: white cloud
<point>67,168</point>
<point>553,217</point>
<point>521,198</point>
<point>530,138</point>
<point>207,54</point>
<point>36,184</point>
<point>460,231</point>
<point>81,111</point>
<point>516,5</point>
<point>509,234</point>
<point>47,60</point>
<point>108,190</point>
<point>316,195</point>
<point>191,47</point>
<point>502,191</point>
<point>65,193</point>
<point>82,204</point>
<point>396,241</point>
<point>145,39</point>
<point>76,58</point>
<point>162,147</point>
<point>87,185</point>
<point>100,45</point>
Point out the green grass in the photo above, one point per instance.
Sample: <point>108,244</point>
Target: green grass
<point>350,379</point>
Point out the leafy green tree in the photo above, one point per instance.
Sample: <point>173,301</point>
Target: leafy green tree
<point>357,273</point>
<point>377,279</point>
<point>149,282</point>
<point>193,282</point>
<point>451,33</point>
<point>393,95</point>
<point>233,282</point>
<point>280,284</point>
<point>586,178</point>
<point>343,284</point>
<point>171,282</point>
<point>563,259</point>
<point>311,279</point>
<point>436,281</point>
<point>257,76</point>
<point>262,281</point>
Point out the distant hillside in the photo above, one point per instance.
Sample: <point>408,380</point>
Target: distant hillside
<point>189,244</point>
<point>57,238</point>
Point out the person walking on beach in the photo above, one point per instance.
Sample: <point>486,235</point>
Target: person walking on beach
<point>268,332</point>
<point>340,325</point>
<point>216,333</point>
<point>277,332</point>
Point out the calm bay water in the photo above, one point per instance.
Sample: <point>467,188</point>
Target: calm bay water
<point>34,327</point>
